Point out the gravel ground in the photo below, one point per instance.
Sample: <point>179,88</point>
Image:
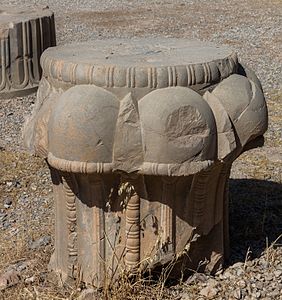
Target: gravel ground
<point>253,29</point>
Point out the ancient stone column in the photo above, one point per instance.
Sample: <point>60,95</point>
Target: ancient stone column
<point>140,136</point>
<point>24,35</point>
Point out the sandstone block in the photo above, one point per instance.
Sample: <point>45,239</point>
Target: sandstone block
<point>24,35</point>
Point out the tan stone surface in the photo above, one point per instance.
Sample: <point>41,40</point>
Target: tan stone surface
<point>24,35</point>
<point>140,152</point>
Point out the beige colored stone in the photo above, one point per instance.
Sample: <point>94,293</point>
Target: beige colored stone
<point>140,136</point>
<point>24,35</point>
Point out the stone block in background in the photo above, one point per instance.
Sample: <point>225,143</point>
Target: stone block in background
<point>24,35</point>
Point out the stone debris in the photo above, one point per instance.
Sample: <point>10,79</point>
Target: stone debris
<point>88,294</point>
<point>209,292</point>
<point>9,278</point>
<point>43,241</point>
<point>30,280</point>
<point>7,203</point>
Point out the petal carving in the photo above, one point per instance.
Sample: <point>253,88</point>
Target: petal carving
<point>226,142</point>
<point>82,125</point>
<point>244,102</point>
<point>128,150</point>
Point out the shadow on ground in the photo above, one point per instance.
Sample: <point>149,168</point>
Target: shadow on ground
<point>255,217</point>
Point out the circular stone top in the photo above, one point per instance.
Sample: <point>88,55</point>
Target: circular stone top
<point>12,15</point>
<point>145,52</point>
<point>150,62</point>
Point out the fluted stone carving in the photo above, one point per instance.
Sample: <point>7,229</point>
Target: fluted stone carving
<point>140,136</point>
<point>24,35</point>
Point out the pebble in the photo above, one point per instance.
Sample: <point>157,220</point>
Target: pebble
<point>33,187</point>
<point>88,294</point>
<point>241,284</point>
<point>209,292</point>
<point>197,278</point>
<point>277,273</point>
<point>9,183</point>
<point>20,266</point>
<point>43,241</point>
<point>9,278</point>
<point>240,272</point>
<point>237,294</point>
<point>30,280</point>
<point>8,202</point>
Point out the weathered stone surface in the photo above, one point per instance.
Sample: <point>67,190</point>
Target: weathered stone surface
<point>140,136</point>
<point>24,35</point>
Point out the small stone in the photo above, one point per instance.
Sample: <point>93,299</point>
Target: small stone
<point>43,241</point>
<point>212,282</point>
<point>228,274</point>
<point>197,278</point>
<point>268,277</point>
<point>9,278</point>
<point>241,284</point>
<point>9,183</point>
<point>7,202</point>
<point>264,264</point>
<point>88,294</point>
<point>185,296</point>
<point>258,276</point>
<point>277,273</point>
<point>237,265</point>
<point>237,294</point>
<point>20,266</point>
<point>208,292</point>
<point>30,280</point>
<point>6,224</point>
<point>239,272</point>
<point>274,294</point>
<point>33,187</point>
<point>17,184</point>
<point>259,285</point>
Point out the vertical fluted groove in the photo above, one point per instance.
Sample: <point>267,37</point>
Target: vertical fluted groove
<point>167,220</point>
<point>99,226</point>
<point>199,194</point>
<point>20,51</point>
<point>69,187</point>
<point>3,51</point>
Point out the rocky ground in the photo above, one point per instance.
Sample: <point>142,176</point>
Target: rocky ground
<point>252,28</point>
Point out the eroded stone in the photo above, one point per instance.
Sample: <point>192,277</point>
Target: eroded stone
<point>140,136</point>
<point>24,35</point>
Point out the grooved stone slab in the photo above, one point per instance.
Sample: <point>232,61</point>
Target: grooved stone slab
<point>24,35</point>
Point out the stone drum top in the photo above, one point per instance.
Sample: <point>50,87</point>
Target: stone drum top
<point>134,63</point>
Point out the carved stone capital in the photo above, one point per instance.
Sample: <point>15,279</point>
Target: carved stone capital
<point>142,135</point>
